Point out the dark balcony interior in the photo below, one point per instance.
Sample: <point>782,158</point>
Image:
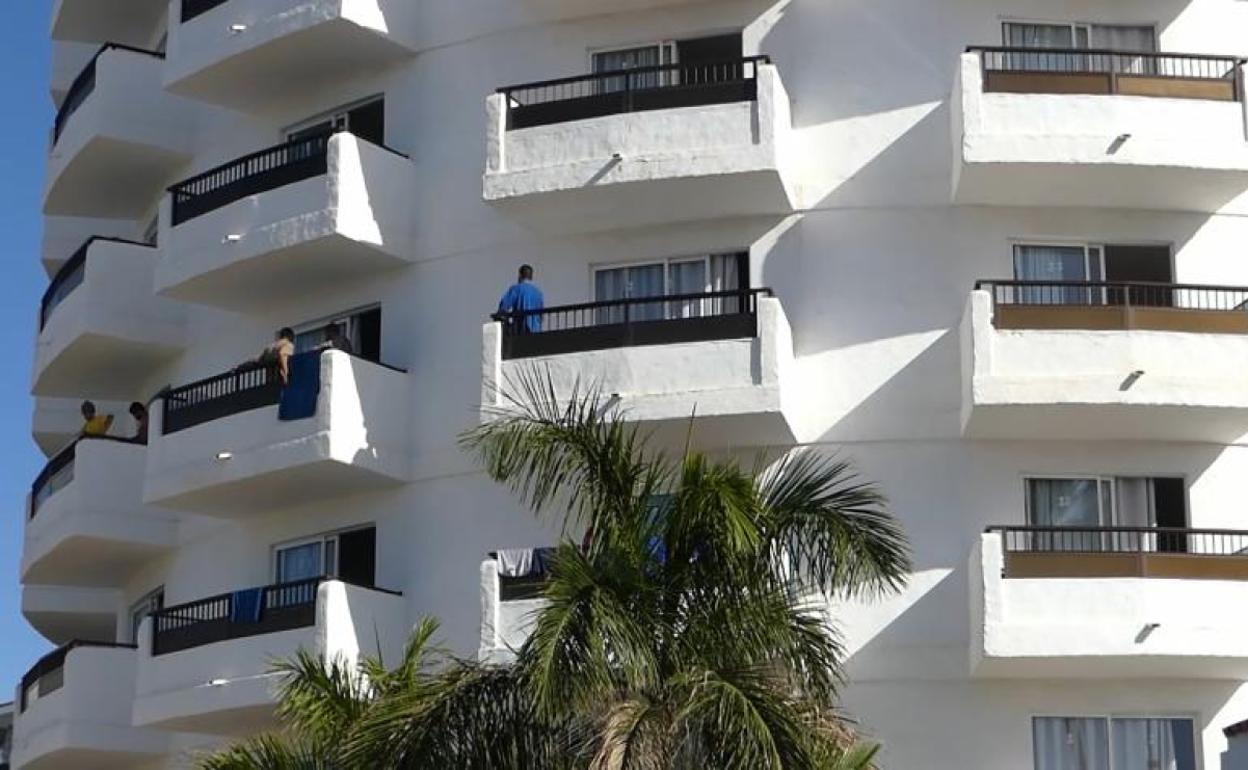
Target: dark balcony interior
<point>669,86</point>
<point>663,320</point>
<point>1118,305</point>
<point>1124,552</point>
<point>1100,71</point>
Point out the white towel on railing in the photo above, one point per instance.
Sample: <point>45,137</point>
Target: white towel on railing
<point>515,562</point>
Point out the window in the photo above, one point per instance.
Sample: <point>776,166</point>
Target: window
<point>1100,37</point>
<point>673,277</point>
<point>717,49</point>
<point>1094,502</point>
<point>151,602</point>
<point>366,119</point>
<point>1114,743</point>
<point>360,328</point>
<point>349,555</point>
<point>1114,37</point>
<point>1094,263</point>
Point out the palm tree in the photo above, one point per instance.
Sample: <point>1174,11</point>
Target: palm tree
<point>689,630</point>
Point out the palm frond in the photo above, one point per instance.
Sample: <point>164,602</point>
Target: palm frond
<point>266,752</point>
<point>320,699</point>
<point>836,525</point>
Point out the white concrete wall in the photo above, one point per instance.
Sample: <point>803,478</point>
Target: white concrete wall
<point>1075,381</point>
<point>253,461</point>
<point>221,687</point>
<point>299,238</point>
<point>1087,629</point>
<point>90,713</point>
<point>110,329</point>
<point>873,269</point>
<point>723,378</point>
<point>734,149</point>
<point>127,126</point>
<point>86,532</point>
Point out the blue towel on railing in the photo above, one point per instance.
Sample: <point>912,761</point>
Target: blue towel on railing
<point>300,394</point>
<point>247,605</point>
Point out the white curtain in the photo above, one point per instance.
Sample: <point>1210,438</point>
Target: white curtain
<point>1154,744</point>
<point>1063,743</point>
<point>688,277</point>
<point>1076,503</point>
<point>630,283</point>
<point>1135,509</point>
<point>1056,264</point>
<point>302,562</point>
<point>1039,35</point>
<point>632,58</point>
<point>1117,38</point>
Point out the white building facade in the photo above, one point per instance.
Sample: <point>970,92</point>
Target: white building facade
<point>990,250</point>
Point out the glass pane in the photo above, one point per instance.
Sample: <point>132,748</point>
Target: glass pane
<point>1053,265</point>
<point>300,562</point>
<point>1064,502</point>
<point>1039,35</point>
<point>1154,744</point>
<point>1065,743</point>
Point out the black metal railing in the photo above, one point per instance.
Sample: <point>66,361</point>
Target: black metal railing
<point>56,475</point>
<point>240,390</point>
<point>259,172</point>
<point>84,85</point>
<point>1112,71</point>
<point>70,276</point>
<point>48,674</point>
<point>661,320</point>
<point>193,8</point>
<point>281,607</point>
<point>632,90</point>
<point>1181,296</point>
<point>1123,540</point>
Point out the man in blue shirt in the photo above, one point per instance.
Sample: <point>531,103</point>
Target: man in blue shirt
<point>523,297</point>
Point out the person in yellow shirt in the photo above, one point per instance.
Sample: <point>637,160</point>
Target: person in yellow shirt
<point>94,425</point>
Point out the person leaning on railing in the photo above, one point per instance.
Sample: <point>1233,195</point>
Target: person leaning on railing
<point>276,354</point>
<point>522,304</point>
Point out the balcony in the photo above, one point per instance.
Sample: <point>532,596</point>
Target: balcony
<point>206,666</point>
<point>116,123</point>
<point>1108,603</point>
<point>300,217</point>
<point>726,356</point>
<point>1099,128</point>
<point>239,444</point>
<point>509,603</point>
<point>90,21</point>
<point>102,330</point>
<point>87,524</point>
<point>63,613</point>
<point>642,146</point>
<point>246,54</point>
<point>1105,361</point>
<point>74,709</point>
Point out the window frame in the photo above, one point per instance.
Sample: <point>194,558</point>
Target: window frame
<point>1075,26</point>
<point>1111,480</point>
<point>323,538</point>
<point>1109,717</point>
<point>146,600</point>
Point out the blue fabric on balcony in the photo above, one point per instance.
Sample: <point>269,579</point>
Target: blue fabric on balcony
<point>247,605</point>
<point>300,394</point>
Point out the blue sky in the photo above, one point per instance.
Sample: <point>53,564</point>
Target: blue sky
<point>24,62</point>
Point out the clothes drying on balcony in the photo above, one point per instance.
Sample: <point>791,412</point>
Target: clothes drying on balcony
<point>299,397</point>
<point>524,562</point>
<point>247,606</point>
